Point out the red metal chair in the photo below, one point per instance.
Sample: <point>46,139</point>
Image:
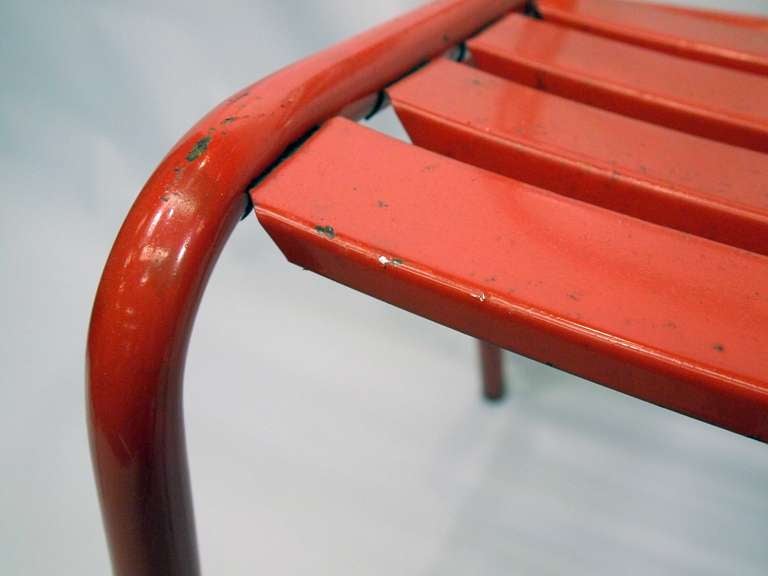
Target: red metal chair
<point>587,187</point>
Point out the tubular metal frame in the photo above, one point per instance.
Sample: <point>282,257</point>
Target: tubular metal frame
<point>159,265</point>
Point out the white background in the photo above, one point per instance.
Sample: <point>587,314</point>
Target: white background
<point>329,433</point>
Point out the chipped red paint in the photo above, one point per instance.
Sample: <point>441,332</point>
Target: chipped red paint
<point>158,267</point>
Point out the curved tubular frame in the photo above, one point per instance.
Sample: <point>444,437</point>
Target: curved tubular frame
<point>159,265</point>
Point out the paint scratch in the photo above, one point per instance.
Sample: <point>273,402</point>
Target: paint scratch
<point>200,147</point>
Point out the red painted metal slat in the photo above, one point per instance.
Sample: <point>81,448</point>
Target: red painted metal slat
<point>654,27</point>
<point>668,317</point>
<point>695,97</point>
<point>752,21</point>
<point>686,182</point>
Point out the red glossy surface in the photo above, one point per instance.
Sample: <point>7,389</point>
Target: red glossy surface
<point>159,264</point>
<point>663,176</point>
<point>751,21</point>
<point>703,99</point>
<point>668,317</point>
<point>686,35</point>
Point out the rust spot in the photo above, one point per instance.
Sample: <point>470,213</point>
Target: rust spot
<point>574,296</point>
<point>446,39</point>
<point>429,168</point>
<point>671,325</point>
<point>326,231</point>
<point>382,204</point>
<point>199,147</point>
<point>719,347</point>
<point>476,81</point>
<point>165,197</point>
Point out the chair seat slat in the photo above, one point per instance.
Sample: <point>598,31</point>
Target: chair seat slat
<point>665,316</point>
<point>664,176</point>
<point>694,97</point>
<point>708,40</point>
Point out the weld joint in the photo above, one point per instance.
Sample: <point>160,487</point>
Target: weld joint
<point>381,99</point>
<point>532,10</point>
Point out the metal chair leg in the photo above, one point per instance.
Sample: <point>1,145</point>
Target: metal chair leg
<point>493,379</point>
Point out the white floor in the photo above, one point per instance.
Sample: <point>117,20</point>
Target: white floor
<point>329,433</point>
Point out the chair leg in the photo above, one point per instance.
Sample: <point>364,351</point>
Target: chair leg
<point>493,379</point>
